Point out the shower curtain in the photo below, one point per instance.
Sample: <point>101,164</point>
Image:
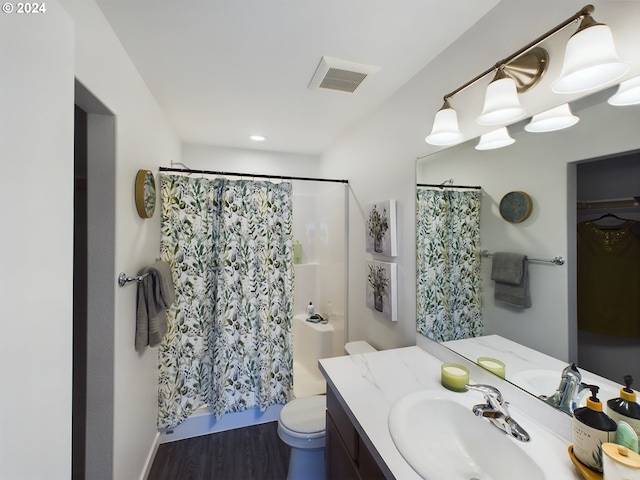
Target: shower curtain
<point>448,263</point>
<point>229,244</point>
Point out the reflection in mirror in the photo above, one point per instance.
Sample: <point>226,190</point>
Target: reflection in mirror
<point>559,172</point>
<point>145,193</point>
<point>149,194</point>
<point>447,264</point>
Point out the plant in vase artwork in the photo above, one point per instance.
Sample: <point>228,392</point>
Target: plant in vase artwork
<point>377,225</point>
<point>379,283</point>
<point>381,288</point>
<point>381,228</point>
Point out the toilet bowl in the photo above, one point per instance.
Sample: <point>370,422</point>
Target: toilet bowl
<point>302,425</point>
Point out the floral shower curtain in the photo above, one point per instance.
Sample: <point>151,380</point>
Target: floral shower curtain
<point>229,244</point>
<point>448,263</point>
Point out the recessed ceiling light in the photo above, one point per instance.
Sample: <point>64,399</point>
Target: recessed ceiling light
<point>258,138</point>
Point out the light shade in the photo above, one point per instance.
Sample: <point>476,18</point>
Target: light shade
<point>497,139</point>
<point>553,119</point>
<point>590,59</point>
<point>445,129</point>
<point>501,104</point>
<point>628,93</point>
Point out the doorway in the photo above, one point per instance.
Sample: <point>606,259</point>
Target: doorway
<point>94,288</point>
<point>79,409</point>
<point>606,188</point>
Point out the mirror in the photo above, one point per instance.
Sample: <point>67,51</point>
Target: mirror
<point>547,167</point>
<point>145,193</point>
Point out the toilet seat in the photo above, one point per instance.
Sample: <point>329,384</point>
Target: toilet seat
<point>302,422</point>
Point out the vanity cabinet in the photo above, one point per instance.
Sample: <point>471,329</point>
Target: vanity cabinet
<point>346,455</point>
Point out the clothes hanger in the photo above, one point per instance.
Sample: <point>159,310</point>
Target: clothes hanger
<point>608,215</point>
<point>620,221</point>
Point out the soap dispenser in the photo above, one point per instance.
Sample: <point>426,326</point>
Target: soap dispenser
<point>591,428</point>
<point>625,408</point>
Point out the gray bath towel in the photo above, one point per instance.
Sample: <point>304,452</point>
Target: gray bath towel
<point>156,293</point>
<point>510,272</point>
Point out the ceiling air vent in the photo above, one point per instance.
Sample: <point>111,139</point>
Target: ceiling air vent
<point>333,74</point>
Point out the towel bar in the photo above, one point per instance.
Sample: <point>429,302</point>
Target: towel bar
<point>123,279</point>
<point>556,260</point>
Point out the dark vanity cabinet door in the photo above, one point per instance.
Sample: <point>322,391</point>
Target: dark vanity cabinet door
<point>347,457</point>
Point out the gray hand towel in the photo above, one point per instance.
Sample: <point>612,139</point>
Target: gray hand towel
<point>156,293</point>
<point>510,272</point>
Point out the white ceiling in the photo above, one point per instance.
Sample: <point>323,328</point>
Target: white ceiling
<point>225,69</point>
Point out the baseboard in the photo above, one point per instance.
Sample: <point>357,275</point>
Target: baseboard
<point>151,457</point>
<point>203,422</point>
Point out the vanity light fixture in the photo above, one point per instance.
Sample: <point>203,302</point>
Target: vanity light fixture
<point>501,104</point>
<point>445,129</point>
<point>590,58</point>
<point>586,67</point>
<point>553,119</point>
<point>628,93</point>
<point>496,139</point>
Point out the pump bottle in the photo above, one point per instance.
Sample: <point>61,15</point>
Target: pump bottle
<point>591,428</point>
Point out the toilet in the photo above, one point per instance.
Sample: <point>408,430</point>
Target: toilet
<point>302,426</point>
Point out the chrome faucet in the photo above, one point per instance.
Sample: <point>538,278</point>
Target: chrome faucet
<point>570,386</point>
<point>496,410</point>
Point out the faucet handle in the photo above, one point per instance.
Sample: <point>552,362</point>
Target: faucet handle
<point>491,394</point>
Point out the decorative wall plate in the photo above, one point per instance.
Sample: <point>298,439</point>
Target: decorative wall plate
<point>145,193</point>
<point>515,207</point>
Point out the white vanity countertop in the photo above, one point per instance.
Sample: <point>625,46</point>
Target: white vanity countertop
<point>368,385</point>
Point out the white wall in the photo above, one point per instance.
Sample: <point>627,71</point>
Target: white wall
<point>236,160</point>
<point>36,277</point>
<point>319,224</point>
<point>143,139</point>
<point>378,155</point>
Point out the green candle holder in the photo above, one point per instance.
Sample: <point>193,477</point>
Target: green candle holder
<point>454,377</point>
<point>493,365</point>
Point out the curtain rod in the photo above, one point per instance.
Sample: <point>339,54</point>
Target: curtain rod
<point>472,187</point>
<point>252,175</point>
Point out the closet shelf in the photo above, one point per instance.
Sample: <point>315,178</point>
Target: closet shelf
<point>630,202</point>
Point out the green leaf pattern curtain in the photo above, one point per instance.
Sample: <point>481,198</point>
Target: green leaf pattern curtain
<point>448,264</point>
<point>229,244</point>
<point>252,345</point>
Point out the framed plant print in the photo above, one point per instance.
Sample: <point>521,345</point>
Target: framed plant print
<point>382,285</point>
<point>381,228</point>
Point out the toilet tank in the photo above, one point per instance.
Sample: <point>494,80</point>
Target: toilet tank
<point>313,341</point>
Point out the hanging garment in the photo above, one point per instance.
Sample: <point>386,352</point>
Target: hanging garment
<point>448,264</point>
<point>609,279</point>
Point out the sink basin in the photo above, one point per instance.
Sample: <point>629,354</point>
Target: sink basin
<point>439,436</point>
<point>545,382</point>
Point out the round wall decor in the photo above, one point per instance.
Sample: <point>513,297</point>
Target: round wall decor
<point>145,193</point>
<point>515,207</point>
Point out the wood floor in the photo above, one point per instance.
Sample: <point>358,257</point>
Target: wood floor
<point>249,453</point>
